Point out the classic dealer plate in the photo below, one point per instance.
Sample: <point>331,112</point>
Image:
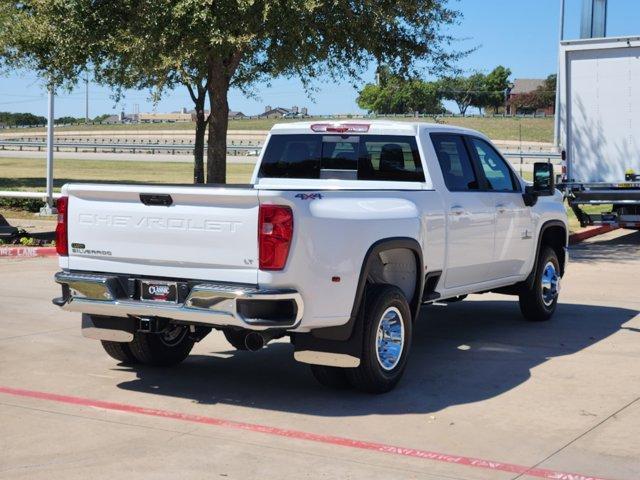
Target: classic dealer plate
<point>158,291</point>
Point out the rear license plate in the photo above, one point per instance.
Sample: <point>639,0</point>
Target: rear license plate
<point>157,291</point>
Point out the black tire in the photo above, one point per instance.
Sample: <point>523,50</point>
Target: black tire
<point>332,377</point>
<point>538,303</point>
<point>371,376</point>
<point>236,338</point>
<point>119,351</point>
<point>162,349</point>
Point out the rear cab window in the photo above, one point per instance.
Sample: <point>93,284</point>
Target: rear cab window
<point>345,157</point>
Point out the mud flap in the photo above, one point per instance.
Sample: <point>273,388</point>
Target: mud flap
<point>332,353</point>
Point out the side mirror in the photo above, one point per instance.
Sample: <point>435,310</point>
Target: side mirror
<point>543,180</point>
<point>543,183</point>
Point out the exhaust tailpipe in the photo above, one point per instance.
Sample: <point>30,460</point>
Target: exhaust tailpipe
<point>255,341</point>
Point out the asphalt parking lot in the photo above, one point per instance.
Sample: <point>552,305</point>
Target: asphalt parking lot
<point>486,394</point>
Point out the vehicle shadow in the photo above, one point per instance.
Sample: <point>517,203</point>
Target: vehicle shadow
<point>462,353</point>
<point>620,249</point>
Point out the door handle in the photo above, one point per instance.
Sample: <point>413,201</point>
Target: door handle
<point>501,208</point>
<point>156,199</point>
<point>457,210</point>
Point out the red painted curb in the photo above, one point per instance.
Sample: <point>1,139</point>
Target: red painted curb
<point>300,435</point>
<point>590,232</point>
<point>28,252</point>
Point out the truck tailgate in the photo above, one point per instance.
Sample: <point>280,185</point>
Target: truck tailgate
<point>205,233</point>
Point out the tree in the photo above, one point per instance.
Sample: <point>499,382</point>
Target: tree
<point>67,120</point>
<point>464,91</point>
<point>227,44</point>
<point>60,40</point>
<point>397,95</point>
<point>21,119</point>
<point>496,84</point>
<point>546,93</point>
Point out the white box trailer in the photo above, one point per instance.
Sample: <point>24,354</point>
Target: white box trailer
<point>600,127</point>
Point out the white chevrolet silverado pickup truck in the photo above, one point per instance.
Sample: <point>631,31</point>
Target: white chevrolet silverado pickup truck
<point>345,231</point>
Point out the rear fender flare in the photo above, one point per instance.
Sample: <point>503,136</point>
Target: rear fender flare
<point>344,332</point>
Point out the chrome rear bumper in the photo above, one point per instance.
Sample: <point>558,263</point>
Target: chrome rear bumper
<point>218,305</point>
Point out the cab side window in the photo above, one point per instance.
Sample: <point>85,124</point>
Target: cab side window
<point>455,163</point>
<point>498,174</point>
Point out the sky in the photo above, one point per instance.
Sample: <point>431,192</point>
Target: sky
<point>519,34</point>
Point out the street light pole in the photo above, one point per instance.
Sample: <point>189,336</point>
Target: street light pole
<point>556,126</point>
<point>86,99</point>
<point>48,208</point>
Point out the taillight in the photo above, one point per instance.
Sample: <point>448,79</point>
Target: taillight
<point>62,239</point>
<point>275,231</point>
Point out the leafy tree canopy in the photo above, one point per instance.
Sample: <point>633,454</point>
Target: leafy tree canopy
<point>496,85</point>
<point>212,46</point>
<point>21,119</point>
<point>397,95</point>
<point>464,91</point>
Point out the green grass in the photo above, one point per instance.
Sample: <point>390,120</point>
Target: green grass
<point>28,174</point>
<point>498,128</point>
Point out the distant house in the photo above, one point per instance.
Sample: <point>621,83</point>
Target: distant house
<point>524,86</point>
<point>277,112</point>
<point>111,119</point>
<point>280,112</point>
<point>236,115</point>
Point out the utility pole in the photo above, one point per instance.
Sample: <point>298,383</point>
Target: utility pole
<point>86,99</point>
<point>49,208</point>
<point>556,125</point>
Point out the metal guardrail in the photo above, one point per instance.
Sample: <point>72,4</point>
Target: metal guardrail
<point>17,194</point>
<point>544,155</point>
<point>187,148</point>
<point>114,147</point>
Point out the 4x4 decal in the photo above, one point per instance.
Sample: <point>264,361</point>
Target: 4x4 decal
<point>309,196</point>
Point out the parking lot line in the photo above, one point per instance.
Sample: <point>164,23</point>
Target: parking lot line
<point>480,463</point>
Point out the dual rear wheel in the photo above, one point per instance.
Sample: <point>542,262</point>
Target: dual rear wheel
<point>167,348</point>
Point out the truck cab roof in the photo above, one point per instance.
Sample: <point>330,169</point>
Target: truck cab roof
<point>373,127</point>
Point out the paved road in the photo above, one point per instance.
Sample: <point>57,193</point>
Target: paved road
<point>482,384</point>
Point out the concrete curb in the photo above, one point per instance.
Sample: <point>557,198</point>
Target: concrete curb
<point>27,252</point>
<point>590,232</point>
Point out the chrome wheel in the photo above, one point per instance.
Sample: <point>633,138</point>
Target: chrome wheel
<point>550,284</point>
<point>390,338</point>
<point>173,335</point>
